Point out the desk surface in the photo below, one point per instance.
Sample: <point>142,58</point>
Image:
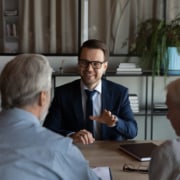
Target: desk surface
<point>106,153</point>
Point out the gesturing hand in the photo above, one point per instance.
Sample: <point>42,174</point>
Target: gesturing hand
<point>82,136</point>
<point>106,118</point>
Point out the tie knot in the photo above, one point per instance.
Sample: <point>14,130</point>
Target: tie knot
<point>90,93</point>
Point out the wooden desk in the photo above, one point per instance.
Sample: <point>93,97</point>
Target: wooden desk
<point>106,153</point>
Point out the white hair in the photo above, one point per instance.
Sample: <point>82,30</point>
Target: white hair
<point>23,78</point>
<point>173,90</point>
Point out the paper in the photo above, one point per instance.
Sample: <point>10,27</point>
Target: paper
<point>103,172</point>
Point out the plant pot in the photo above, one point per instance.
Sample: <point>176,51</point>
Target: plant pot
<point>173,61</point>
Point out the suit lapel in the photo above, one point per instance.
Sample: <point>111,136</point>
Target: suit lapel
<point>77,105</point>
<point>106,96</point>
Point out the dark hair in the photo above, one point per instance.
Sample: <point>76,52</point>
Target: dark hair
<point>95,44</point>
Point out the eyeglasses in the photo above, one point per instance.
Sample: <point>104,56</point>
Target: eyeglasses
<point>95,64</point>
<point>131,168</point>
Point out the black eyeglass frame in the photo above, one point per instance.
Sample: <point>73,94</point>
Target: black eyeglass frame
<point>95,64</point>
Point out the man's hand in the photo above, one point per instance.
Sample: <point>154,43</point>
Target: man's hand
<point>82,136</point>
<point>106,118</point>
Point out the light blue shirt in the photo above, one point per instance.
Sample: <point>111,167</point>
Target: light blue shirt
<point>29,151</point>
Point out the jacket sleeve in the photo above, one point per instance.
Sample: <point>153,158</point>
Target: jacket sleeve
<point>116,100</point>
<point>126,124</point>
<point>53,120</point>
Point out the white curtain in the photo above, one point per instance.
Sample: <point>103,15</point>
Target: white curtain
<point>48,26</point>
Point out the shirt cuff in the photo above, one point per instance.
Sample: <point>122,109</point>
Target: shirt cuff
<point>69,134</point>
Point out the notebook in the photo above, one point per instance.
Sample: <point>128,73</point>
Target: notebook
<point>140,151</point>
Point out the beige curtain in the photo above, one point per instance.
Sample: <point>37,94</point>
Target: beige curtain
<point>115,21</point>
<point>1,31</point>
<point>51,26</point>
<point>48,26</point>
<point>173,9</point>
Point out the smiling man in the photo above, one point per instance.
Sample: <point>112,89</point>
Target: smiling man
<point>92,107</point>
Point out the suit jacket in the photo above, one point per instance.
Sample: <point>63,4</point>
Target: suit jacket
<point>66,112</point>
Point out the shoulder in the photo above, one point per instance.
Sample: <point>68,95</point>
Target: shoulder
<point>113,85</point>
<point>168,151</point>
<point>72,83</point>
<point>165,160</point>
<point>54,142</point>
<point>68,86</point>
<point>55,149</point>
<point>170,145</point>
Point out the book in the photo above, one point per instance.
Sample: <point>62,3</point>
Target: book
<point>134,101</point>
<point>129,69</point>
<point>11,12</point>
<point>133,96</point>
<point>135,111</point>
<point>135,105</point>
<point>127,65</point>
<point>14,32</point>
<point>134,108</point>
<point>160,107</point>
<point>129,72</point>
<point>139,151</point>
<point>103,172</point>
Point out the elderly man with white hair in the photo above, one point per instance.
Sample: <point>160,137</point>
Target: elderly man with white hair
<point>165,163</point>
<point>29,151</point>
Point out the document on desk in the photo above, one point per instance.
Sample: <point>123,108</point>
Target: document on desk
<point>103,172</point>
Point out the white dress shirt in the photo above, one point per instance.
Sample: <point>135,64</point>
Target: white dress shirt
<point>96,106</point>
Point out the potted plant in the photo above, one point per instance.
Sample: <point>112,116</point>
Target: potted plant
<point>153,42</point>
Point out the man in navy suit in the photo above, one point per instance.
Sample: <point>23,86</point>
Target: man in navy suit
<point>112,117</point>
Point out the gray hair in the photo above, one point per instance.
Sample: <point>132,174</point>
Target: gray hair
<point>173,90</point>
<point>23,78</point>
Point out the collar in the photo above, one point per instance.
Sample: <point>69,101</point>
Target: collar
<point>98,88</point>
<point>20,115</point>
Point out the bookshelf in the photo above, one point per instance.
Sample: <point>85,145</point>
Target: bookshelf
<point>10,20</point>
<point>152,125</point>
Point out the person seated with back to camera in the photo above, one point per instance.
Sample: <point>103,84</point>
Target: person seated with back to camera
<point>29,151</point>
<point>111,117</point>
<point>165,162</point>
